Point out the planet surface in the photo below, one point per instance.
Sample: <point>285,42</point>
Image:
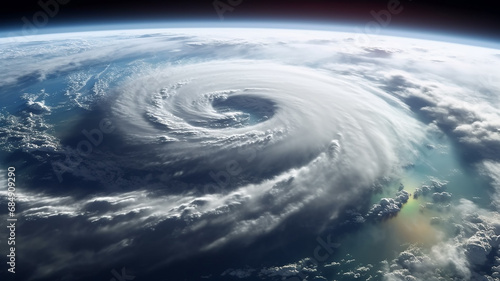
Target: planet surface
<point>249,153</point>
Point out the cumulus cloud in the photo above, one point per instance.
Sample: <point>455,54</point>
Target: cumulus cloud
<point>471,253</point>
<point>293,269</point>
<point>388,207</point>
<point>436,188</point>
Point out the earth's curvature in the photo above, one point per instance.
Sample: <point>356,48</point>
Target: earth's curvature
<point>260,154</point>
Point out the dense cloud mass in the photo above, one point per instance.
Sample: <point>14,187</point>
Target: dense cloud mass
<point>195,145</point>
<point>388,207</point>
<point>472,253</point>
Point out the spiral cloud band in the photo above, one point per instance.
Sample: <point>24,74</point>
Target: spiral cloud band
<point>211,110</point>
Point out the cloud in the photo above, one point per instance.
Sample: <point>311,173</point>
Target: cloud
<point>474,121</point>
<point>491,169</point>
<point>293,269</point>
<point>250,195</point>
<point>388,207</point>
<point>437,189</point>
<point>471,253</point>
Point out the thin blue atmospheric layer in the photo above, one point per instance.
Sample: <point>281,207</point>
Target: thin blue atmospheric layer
<point>360,28</point>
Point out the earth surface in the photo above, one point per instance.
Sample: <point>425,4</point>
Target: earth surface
<point>251,153</point>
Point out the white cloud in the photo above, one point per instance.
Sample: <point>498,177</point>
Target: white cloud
<point>464,255</point>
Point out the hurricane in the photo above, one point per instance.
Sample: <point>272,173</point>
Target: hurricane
<point>252,153</point>
<point>278,117</point>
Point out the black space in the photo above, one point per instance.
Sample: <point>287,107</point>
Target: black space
<point>473,18</point>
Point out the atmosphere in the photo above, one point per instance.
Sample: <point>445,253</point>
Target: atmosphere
<point>468,18</point>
